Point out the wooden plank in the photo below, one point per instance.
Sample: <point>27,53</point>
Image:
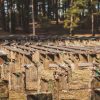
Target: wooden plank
<point>85,64</point>
<point>63,49</point>
<point>17,50</point>
<point>45,49</point>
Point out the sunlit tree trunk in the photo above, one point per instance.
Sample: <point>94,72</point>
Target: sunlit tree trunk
<point>92,17</point>
<point>71,18</point>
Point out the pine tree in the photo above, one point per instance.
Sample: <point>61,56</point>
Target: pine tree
<point>72,14</point>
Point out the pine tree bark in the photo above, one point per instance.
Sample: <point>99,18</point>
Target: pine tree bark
<point>49,9</point>
<point>35,9</point>
<point>56,11</point>
<point>26,15</point>
<point>43,8</point>
<point>3,16</point>
<point>92,19</point>
<point>71,19</point>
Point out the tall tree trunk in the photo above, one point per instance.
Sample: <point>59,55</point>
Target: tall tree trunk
<point>71,19</point>
<point>43,8</point>
<point>35,9</point>
<point>92,29</point>
<point>11,18</point>
<point>26,15</point>
<point>98,5</point>
<point>49,9</point>
<point>92,19</point>
<point>33,21</point>
<point>7,15</point>
<point>56,11</point>
<point>3,16</point>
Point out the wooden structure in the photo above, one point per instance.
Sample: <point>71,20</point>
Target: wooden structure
<point>62,71</point>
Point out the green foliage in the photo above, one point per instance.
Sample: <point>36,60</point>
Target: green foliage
<point>68,24</point>
<point>72,14</point>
